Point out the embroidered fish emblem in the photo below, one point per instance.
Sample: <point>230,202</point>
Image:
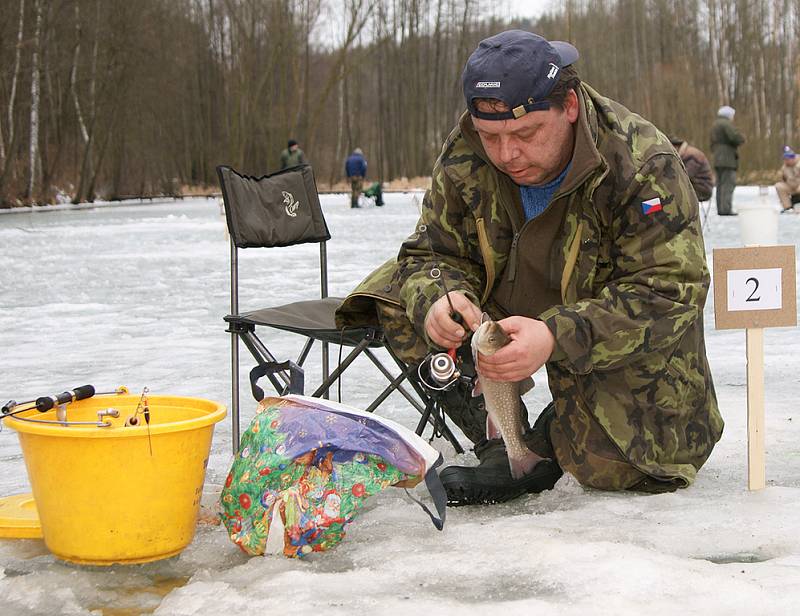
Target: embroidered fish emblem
<point>290,203</point>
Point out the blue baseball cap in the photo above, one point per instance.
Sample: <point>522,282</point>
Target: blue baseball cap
<point>517,67</point>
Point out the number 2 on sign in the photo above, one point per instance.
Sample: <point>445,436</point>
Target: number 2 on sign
<point>752,297</point>
<point>755,289</point>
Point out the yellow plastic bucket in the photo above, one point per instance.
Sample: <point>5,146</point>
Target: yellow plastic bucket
<point>119,494</point>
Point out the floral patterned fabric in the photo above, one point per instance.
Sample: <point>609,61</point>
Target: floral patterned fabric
<point>316,467</point>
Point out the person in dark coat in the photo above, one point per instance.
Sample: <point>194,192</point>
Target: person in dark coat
<point>292,155</point>
<point>725,141</point>
<point>697,167</point>
<point>355,167</point>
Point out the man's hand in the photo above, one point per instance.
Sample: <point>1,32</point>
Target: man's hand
<point>531,345</point>
<point>440,326</point>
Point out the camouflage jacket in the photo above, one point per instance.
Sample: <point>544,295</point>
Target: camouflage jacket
<point>630,352</point>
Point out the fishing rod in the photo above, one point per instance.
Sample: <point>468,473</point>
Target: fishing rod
<point>441,368</point>
<point>45,403</point>
<point>57,401</point>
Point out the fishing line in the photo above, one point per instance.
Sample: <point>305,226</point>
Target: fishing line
<point>142,407</point>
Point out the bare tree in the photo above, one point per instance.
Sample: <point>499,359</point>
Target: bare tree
<point>34,115</point>
<point>8,158</point>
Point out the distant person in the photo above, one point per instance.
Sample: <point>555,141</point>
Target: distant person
<point>376,192</point>
<point>356,169</point>
<point>725,141</point>
<point>697,167</point>
<point>292,155</point>
<point>790,185</point>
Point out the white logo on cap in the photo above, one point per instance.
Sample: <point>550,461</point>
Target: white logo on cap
<point>487,84</point>
<point>553,71</point>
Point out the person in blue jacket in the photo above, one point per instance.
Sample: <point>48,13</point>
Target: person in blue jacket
<point>356,169</point>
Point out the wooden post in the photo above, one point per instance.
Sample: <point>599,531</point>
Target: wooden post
<point>761,294</point>
<point>756,471</point>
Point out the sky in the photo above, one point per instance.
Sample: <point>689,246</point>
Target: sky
<point>527,8</point>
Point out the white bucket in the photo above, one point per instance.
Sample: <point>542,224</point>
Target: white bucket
<point>758,222</point>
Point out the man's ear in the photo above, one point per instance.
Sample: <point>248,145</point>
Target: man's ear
<point>571,106</point>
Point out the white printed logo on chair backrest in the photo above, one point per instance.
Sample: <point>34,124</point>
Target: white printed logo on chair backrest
<point>290,203</point>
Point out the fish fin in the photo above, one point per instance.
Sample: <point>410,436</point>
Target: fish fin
<point>477,388</point>
<point>524,465</point>
<point>492,431</point>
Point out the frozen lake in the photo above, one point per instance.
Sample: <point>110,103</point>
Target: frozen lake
<point>134,294</point>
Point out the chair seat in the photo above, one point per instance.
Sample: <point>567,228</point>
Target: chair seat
<point>312,318</point>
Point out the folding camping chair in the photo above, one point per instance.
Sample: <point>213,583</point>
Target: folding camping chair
<point>283,209</point>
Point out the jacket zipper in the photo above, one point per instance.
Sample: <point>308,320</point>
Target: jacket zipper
<point>512,258</point>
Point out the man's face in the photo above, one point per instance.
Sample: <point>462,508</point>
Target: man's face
<point>791,162</point>
<point>532,149</point>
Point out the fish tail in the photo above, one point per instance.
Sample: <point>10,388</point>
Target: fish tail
<point>523,465</point>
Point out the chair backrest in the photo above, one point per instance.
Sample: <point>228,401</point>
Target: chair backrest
<point>280,209</point>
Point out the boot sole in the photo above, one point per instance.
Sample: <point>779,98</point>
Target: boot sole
<point>466,486</point>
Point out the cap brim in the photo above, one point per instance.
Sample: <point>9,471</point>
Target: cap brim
<point>568,53</point>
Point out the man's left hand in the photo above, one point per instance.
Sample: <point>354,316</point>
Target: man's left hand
<point>531,345</point>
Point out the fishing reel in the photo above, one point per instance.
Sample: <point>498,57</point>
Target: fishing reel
<point>442,371</point>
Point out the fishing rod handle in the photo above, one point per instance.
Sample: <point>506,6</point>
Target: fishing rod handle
<point>45,403</point>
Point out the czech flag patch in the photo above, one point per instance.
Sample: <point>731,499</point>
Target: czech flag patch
<point>651,206</point>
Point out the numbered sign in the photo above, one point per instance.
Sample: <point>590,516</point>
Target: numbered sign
<point>755,287</point>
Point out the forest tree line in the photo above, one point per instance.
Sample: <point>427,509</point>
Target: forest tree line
<point>111,98</point>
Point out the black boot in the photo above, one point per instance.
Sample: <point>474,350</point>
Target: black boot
<point>491,480</point>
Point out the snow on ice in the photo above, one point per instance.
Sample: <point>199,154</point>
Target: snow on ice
<point>134,294</point>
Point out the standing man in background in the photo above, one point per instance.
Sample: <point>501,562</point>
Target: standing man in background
<point>356,169</point>
<point>292,155</point>
<point>725,140</point>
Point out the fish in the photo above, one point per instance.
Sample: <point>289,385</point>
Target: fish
<point>503,401</point>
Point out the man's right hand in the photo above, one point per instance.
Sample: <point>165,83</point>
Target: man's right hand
<point>439,323</point>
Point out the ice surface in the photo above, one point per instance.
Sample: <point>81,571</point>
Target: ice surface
<point>134,294</point>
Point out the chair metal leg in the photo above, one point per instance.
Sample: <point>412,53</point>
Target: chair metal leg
<point>405,371</point>
<point>235,392</point>
<point>425,417</point>
<point>234,349</point>
<point>262,355</point>
<point>394,384</point>
<point>327,383</point>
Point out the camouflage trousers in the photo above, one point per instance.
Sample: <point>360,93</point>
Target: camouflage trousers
<point>356,186</point>
<point>581,446</point>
